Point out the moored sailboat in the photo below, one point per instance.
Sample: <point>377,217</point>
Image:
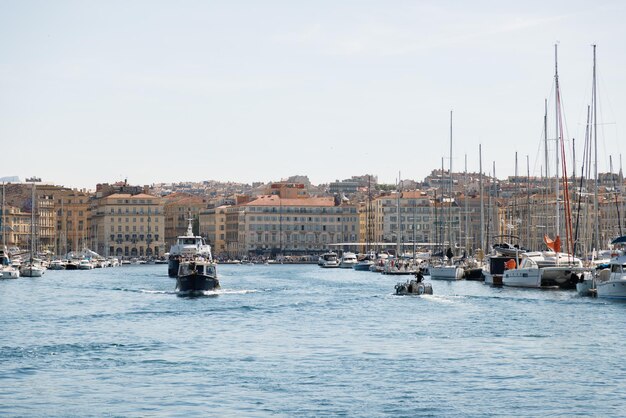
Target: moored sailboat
<point>611,283</point>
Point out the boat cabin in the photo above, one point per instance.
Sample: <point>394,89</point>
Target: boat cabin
<point>193,267</point>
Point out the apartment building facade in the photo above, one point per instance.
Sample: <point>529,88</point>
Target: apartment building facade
<point>127,225</point>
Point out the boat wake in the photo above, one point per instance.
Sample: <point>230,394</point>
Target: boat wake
<point>203,293</point>
<point>155,292</point>
<point>442,299</point>
<point>237,292</point>
<point>146,291</point>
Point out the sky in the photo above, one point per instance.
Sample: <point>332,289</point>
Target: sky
<point>167,91</point>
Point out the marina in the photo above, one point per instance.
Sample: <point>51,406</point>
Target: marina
<point>339,209</point>
<point>299,340</point>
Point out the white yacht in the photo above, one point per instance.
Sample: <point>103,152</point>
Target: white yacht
<point>329,260</point>
<point>379,264</point>
<point>85,264</point>
<point>32,268</point>
<point>188,245</point>
<point>348,260</point>
<point>401,266</point>
<point>56,265</point>
<point>544,269</point>
<point>7,271</point>
<point>365,262</point>
<point>611,283</point>
<point>446,272</point>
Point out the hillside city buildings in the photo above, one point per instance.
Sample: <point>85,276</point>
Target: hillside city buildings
<point>293,217</point>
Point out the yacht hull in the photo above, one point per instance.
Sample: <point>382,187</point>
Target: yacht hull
<point>361,266</point>
<point>613,289</point>
<point>530,278</point>
<point>196,283</point>
<point>446,273</point>
<point>31,272</point>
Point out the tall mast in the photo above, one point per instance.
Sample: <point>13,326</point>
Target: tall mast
<point>619,220</point>
<point>482,198</point>
<point>621,182</point>
<point>546,160</point>
<point>32,222</point>
<point>367,214</point>
<point>450,188</point>
<point>596,214</point>
<point>516,192</point>
<point>545,135</point>
<point>494,209</point>
<point>528,218</point>
<point>466,210</point>
<point>399,229</point>
<point>557,140</point>
<point>4,227</point>
<point>441,225</point>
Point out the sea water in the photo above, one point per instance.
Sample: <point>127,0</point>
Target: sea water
<point>298,340</point>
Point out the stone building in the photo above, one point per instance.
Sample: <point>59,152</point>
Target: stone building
<point>127,225</point>
<point>178,208</point>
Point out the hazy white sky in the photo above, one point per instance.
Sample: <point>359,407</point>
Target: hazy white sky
<point>159,91</point>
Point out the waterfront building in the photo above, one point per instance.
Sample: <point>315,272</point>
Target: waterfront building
<point>274,225</point>
<point>414,216</point>
<point>178,208</point>
<point>213,226</point>
<point>73,216</point>
<point>271,224</point>
<point>127,225</point>
<point>20,195</point>
<point>16,228</point>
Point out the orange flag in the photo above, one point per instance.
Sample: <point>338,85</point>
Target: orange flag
<point>510,265</point>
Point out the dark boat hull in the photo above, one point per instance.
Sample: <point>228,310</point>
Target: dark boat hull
<point>362,266</point>
<point>196,283</point>
<point>474,274</point>
<point>172,266</point>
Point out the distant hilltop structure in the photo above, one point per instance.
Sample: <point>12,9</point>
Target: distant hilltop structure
<point>10,179</point>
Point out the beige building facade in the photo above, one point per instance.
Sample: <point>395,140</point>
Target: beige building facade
<point>274,225</point>
<point>73,217</point>
<point>178,208</point>
<point>126,225</point>
<point>213,227</point>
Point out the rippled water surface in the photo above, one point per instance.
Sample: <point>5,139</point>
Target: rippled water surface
<point>303,341</point>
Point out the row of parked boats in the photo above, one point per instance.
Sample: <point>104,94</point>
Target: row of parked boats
<point>603,276</point>
<point>15,266</point>
<point>507,265</point>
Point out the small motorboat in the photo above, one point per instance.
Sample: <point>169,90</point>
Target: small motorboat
<point>196,275</point>
<point>415,286</point>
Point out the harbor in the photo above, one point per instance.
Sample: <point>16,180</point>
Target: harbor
<point>312,209</point>
<point>300,340</point>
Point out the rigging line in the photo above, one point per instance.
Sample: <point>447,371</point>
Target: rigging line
<point>619,218</point>
<point>582,176</point>
<point>564,179</point>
